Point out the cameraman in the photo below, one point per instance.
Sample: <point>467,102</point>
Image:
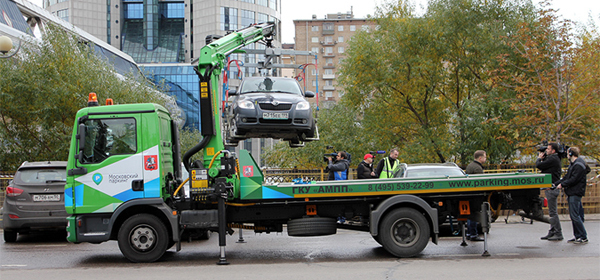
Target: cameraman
<point>365,168</point>
<point>338,169</point>
<point>549,162</point>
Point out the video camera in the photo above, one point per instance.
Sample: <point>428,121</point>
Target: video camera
<point>334,155</point>
<point>562,149</point>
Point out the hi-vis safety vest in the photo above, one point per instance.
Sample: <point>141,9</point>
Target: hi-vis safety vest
<point>388,172</point>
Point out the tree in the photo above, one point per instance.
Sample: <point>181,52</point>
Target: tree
<point>419,80</point>
<point>42,89</point>
<point>554,75</point>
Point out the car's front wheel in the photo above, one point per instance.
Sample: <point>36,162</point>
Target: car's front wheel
<point>143,238</point>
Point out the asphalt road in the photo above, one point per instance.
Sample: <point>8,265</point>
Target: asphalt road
<point>515,248</point>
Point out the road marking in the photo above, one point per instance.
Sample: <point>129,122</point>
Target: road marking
<point>50,246</point>
<point>14,265</point>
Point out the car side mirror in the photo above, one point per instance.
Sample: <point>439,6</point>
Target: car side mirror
<point>309,94</point>
<point>233,92</point>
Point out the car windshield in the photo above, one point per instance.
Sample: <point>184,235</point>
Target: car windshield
<point>33,176</point>
<point>270,85</point>
<point>433,172</point>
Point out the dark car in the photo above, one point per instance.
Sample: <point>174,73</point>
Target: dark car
<point>35,199</point>
<point>270,107</point>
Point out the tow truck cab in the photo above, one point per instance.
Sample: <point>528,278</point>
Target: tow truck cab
<point>120,154</point>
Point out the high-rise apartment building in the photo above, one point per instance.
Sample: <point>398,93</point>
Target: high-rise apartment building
<point>328,38</point>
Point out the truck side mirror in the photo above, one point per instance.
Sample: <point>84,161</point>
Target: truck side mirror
<point>81,137</point>
<point>309,94</point>
<point>233,92</point>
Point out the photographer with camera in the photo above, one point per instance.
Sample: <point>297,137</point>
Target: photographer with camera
<point>365,168</point>
<point>548,162</point>
<point>338,169</point>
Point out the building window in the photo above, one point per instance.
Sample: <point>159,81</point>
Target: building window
<point>262,17</point>
<point>329,61</point>
<point>329,94</point>
<point>315,28</point>
<point>365,28</point>
<point>352,27</point>
<point>329,82</point>
<point>248,1</point>
<point>340,49</point>
<point>328,72</point>
<point>329,50</point>
<point>263,2</point>
<point>315,50</point>
<point>133,10</point>
<point>328,26</point>
<point>328,40</point>
<point>315,39</point>
<point>314,83</point>
<point>247,18</point>
<point>172,10</point>
<point>228,19</point>
<point>340,28</point>
<point>313,72</point>
<point>273,4</point>
<point>63,14</point>
<point>341,39</point>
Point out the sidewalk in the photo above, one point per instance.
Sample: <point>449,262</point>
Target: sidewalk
<point>562,217</point>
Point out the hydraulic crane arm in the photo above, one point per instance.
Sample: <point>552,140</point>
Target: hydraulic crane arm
<point>210,65</point>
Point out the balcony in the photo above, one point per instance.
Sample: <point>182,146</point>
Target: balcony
<point>328,55</point>
<point>330,43</point>
<point>328,88</point>
<point>328,76</point>
<point>329,66</point>
<point>328,31</point>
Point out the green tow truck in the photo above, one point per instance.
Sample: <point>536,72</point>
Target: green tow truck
<point>124,183</point>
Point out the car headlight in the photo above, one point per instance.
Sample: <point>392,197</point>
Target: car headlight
<point>245,104</point>
<point>303,105</point>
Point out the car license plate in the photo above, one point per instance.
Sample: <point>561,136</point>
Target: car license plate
<point>46,197</point>
<point>275,116</point>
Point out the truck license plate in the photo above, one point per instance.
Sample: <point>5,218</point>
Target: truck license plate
<point>46,197</point>
<point>275,116</point>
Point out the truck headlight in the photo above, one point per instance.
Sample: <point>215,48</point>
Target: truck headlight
<point>245,104</point>
<point>302,105</point>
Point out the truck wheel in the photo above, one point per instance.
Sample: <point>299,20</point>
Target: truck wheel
<point>10,236</point>
<point>315,226</point>
<point>143,238</point>
<point>404,232</point>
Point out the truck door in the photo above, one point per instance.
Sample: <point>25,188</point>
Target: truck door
<point>114,162</point>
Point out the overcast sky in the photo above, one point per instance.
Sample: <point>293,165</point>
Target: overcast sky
<point>577,10</point>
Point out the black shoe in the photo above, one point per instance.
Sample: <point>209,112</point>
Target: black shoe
<point>572,240</point>
<point>556,237</point>
<point>550,234</point>
<point>476,238</point>
<point>581,241</point>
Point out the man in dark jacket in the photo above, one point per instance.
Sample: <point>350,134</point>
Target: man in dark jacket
<point>365,168</point>
<point>475,167</point>
<point>574,184</point>
<point>549,162</point>
<point>338,170</point>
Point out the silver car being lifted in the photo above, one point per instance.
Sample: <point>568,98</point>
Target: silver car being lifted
<point>35,199</point>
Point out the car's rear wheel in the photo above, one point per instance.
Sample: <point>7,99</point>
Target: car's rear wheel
<point>10,236</point>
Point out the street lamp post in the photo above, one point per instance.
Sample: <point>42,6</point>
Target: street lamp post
<point>6,45</point>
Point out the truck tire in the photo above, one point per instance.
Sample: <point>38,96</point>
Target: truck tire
<point>143,238</point>
<point>10,236</point>
<point>315,226</point>
<point>404,232</point>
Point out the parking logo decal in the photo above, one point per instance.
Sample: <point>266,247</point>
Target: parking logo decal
<point>248,171</point>
<point>97,178</point>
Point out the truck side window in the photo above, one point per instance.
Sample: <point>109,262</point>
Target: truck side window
<point>107,137</point>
